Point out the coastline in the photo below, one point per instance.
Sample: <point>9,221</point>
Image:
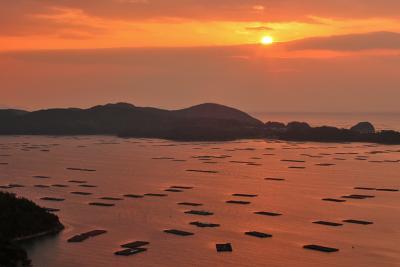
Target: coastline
<point>53,231</point>
<point>208,122</point>
<point>267,138</point>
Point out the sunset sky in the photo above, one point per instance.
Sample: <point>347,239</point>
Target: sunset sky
<point>341,55</point>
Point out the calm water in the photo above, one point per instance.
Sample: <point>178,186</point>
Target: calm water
<point>126,166</point>
<point>382,121</point>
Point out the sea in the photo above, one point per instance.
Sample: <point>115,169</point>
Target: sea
<point>281,189</point>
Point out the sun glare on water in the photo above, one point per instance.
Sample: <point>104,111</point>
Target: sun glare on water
<point>267,40</point>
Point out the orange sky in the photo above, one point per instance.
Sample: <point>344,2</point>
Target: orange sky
<point>60,24</point>
<point>333,32</point>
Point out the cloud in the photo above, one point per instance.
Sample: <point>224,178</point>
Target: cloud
<point>31,18</point>
<point>349,42</point>
<point>238,10</point>
<point>259,28</point>
<point>25,17</point>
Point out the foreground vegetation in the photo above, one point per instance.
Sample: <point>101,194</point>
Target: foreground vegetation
<point>21,219</point>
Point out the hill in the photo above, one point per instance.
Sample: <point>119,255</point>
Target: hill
<point>204,122</point>
<point>128,120</point>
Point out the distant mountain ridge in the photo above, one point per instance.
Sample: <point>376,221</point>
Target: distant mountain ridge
<point>128,120</point>
<point>204,122</point>
<point>216,111</point>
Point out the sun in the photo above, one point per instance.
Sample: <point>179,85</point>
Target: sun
<point>267,40</point>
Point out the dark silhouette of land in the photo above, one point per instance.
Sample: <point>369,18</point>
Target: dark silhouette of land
<point>205,122</point>
<point>21,219</point>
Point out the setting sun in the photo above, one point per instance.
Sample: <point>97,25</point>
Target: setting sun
<point>267,40</point>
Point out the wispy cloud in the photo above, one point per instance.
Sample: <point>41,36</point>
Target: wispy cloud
<point>349,42</point>
<point>259,28</point>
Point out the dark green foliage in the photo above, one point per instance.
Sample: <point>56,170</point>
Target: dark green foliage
<point>12,256</point>
<point>19,218</point>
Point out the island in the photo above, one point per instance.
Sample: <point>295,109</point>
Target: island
<point>204,122</point>
<point>22,219</point>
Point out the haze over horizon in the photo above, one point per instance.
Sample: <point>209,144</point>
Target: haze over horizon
<point>342,56</point>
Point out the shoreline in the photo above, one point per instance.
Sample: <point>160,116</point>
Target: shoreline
<point>267,138</point>
<point>208,122</point>
<point>53,231</point>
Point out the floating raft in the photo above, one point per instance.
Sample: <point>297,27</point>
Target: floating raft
<point>101,204</point>
<point>14,186</point>
<point>321,248</point>
<point>238,202</point>
<point>178,232</point>
<point>41,186</point>
<point>258,234</point>
<point>204,225</point>
<point>333,200</point>
<point>227,247</point>
<point>133,196</point>
<point>181,187</point>
<point>111,198</point>
<point>173,190</point>
<point>41,177</point>
<point>155,195</point>
<point>81,169</point>
<point>274,179</point>
<point>82,237</point>
<point>387,189</point>
<point>254,164</point>
<point>81,193</point>
<point>59,185</point>
<point>242,162</point>
<point>267,213</point>
<point>293,160</point>
<point>244,195</point>
<point>190,204</point>
<point>357,222</point>
<point>328,223</point>
<point>87,185</point>
<point>365,188</point>
<point>77,181</point>
<point>52,199</point>
<point>205,171</point>
<point>355,196</point>
<point>135,244</point>
<point>199,212</point>
<point>130,251</point>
